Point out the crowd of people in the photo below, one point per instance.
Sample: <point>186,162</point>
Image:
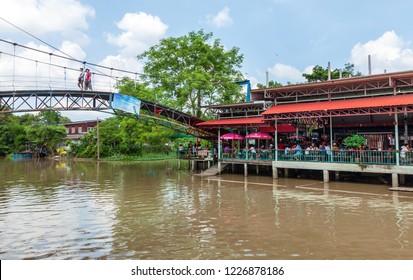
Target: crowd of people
<point>313,150</point>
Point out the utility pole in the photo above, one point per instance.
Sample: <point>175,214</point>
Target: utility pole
<point>97,139</point>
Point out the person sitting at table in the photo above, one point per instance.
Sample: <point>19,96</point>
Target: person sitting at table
<point>227,151</point>
<point>263,152</point>
<point>298,152</point>
<point>253,152</point>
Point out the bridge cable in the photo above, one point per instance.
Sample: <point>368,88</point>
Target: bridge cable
<point>65,77</point>
<point>67,56</point>
<point>31,35</point>
<point>50,66</point>
<point>36,75</point>
<point>110,80</point>
<point>77,60</point>
<point>14,66</point>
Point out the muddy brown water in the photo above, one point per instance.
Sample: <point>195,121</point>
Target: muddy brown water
<point>151,210</point>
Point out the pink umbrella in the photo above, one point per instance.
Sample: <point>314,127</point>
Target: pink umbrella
<point>231,136</point>
<point>258,135</point>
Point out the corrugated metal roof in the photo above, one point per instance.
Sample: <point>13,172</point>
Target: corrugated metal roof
<point>343,81</point>
<point>257,121</point>
<point>383,101</point>
<point>235,121</point>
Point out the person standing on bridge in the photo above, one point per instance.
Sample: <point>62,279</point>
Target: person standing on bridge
<point>81,79</point>
<point>88,80</point>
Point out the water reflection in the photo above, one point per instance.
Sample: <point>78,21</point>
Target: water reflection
<point>151,210</point>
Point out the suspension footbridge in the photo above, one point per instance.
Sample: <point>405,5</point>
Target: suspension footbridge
<point>35,80</point>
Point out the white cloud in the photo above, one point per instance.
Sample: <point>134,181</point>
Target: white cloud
<point>286,73</point>
<point>36,70</point>
<point>221,19</point>
<point>119,62</point>
<point>43,16</point>
<point>388,52</point>
<point>139,32</point>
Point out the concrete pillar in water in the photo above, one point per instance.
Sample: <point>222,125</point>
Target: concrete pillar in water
<point>245,169</point>
<point>286,171</point>
<point>179,164</point>
<point>402,179</point>
<point>193,165</point>
<point>395,180</point>
<point>326,176</point>
<point>274,171</point>
<point>219,167</point>
<point>258,169</point>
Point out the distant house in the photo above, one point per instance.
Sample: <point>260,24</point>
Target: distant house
<point>76,130</point>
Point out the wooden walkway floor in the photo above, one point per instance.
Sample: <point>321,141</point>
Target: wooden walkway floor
<point>213,170</point>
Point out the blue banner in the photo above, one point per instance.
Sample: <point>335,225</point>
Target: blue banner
<point>126,103</point>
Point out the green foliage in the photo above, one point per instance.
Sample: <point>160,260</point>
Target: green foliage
<point>16,132</point>
<point>354,141</point>
<point>51,117</point>
<point>47,136</point>
<point>270,84</point>
<point>190,71</point>
<point>120,136</point>
<point>141,91</point>
<point>320,74</point>
<point>48,117</point>
<point>12,138</point>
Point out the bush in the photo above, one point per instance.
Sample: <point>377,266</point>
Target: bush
<point>354,141</point>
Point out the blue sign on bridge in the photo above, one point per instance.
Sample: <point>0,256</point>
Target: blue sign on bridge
<point>126,103</point>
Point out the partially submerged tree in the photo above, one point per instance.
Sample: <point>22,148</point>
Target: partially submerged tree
<point>46,136</point>
<point>190,71</point>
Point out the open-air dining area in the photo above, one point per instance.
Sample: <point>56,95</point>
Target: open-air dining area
<point>359,124</point>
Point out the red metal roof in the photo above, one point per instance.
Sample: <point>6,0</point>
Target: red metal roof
<point>281,128</point>
<point>383,101</point>
<point>237,121</point>
<point>343,81</point>
<point>256,122</point>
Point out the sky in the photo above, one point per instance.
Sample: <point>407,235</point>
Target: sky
<point>285,38</point>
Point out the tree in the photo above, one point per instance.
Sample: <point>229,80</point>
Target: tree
<point>122,135</point>
<point>130,87</point>
<point>190,71</point>
<point>51,117</point>
<point>320,74</point>
<point>46,136</point>
<point>270,84</point>
<point>12,138</point>
<point>354,141</point>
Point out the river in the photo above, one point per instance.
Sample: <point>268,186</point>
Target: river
<point>150,210</point>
